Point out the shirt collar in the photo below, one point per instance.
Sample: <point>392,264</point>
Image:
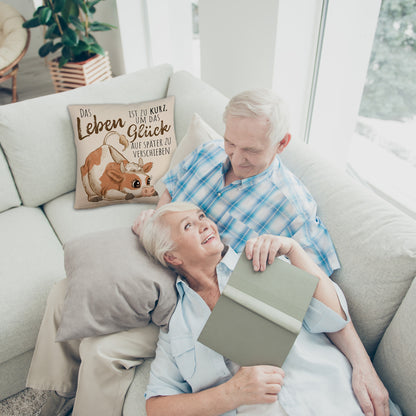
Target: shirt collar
<point>253,179</point>
<point>224,269</point>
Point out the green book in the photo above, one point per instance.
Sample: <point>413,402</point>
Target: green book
<point>259,314</point>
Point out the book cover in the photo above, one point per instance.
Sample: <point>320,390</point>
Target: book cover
<point>259,314</point>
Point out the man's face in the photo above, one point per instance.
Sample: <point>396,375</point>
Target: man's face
<point>195,236</point>
<point>249,149</point>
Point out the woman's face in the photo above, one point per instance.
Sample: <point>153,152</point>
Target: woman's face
<point>195,236</point>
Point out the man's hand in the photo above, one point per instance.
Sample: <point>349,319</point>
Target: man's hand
<point>264,249</point>
<point>141,219</point>
<point>255,385</point>
<point>370,392</point>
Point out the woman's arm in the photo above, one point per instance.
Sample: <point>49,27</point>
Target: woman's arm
<point>368,388</point>
<point>250,385</point>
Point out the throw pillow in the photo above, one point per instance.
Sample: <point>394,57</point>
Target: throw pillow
<point>113,285</point>
<point>122,150</point>
<point>198,132</point>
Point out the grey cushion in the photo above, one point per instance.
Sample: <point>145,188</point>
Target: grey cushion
<point>42,127</point>
<point>31,260</point>
<point>8,193</point>
<point>113,285</point>
<point>375,242</point>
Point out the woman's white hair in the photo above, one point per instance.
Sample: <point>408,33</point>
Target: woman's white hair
<point>156,235</point>
<point>261,103</point>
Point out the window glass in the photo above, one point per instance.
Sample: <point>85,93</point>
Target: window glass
<point>383,149</point>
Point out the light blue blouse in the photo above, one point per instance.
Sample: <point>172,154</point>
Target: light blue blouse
<point>317,375</point>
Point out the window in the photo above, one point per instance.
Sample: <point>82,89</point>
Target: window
<point>383,147</point>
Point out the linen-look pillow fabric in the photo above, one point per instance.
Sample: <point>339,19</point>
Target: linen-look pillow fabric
<point>198,132</point>
<point>113,285</point>
<point>122,150</point>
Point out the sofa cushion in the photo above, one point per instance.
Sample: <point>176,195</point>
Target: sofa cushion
<point>31,260</point>
<point>394,359</point>
<point>69,223</point>
<point>374,241</point>
<point>42,127</point>
<point>113,286</point>
<point>8,193</point>
<point>122,151</point>
<point>195,96</point>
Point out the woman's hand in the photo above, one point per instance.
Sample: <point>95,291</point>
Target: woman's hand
<point>264,249</point>
<point>255,385</point>
<point>141,219</point>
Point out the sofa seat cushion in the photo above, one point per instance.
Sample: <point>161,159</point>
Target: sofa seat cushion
<point>31,261</point>
<point>134,404</point>
<point>9,197</point>
<point>42,127</point>
<point>375,242</point>
<point>394,359</point>
<point>69,223</point>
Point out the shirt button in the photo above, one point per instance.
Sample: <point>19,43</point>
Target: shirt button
<point>219,194</point>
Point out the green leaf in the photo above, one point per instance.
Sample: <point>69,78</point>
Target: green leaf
<point>45,49</point>
<point>52,32</point>
<point>44,15</point>
<point>100,27</point>
<point>57,46</point>
<point>62,61</point>
<point>96,48</point>
<point>77,23</point>
<point>66,52</point>
<point>70,37</point>
<point>58,5</point>
<point>34,22</point>
<point>70,9</point>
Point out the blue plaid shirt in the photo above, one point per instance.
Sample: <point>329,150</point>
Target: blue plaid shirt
<point>272,202</point>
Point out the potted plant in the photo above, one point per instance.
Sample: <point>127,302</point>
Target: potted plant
<point>68,30</point>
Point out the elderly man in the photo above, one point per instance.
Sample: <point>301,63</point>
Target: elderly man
<point>241,185</point>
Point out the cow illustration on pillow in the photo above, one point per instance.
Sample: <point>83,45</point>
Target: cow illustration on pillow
<point>107,174</point>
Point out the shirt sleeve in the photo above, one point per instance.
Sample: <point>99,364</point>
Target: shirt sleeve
<point>315,240</point>
<point>165,378</point>
<point>319,318</point>
<point>174,177</point>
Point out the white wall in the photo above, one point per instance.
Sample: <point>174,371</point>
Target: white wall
<point>238,42</point>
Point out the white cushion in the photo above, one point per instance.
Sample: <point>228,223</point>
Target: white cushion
<point>8,193</point>
<point>194,96</point>
<point>375,242</point>
<point>42,127</point>
<point>31,261</point>
<point>70,223</point>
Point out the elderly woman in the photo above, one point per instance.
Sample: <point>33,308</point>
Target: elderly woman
<point>188,378</point>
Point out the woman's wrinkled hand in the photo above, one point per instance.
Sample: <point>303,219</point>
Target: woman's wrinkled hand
<point>256,385</point>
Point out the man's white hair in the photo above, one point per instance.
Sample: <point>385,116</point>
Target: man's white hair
<point>156,235</point>
<point>261,103</point>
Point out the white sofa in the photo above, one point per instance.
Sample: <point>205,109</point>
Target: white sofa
<point>376,244</point>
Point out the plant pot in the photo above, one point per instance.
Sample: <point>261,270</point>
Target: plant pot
<point>78,74</point>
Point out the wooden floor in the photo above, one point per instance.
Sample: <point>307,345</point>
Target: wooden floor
<point>33,80</point>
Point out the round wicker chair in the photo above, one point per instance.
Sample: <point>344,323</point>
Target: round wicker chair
<point>14,42</point>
